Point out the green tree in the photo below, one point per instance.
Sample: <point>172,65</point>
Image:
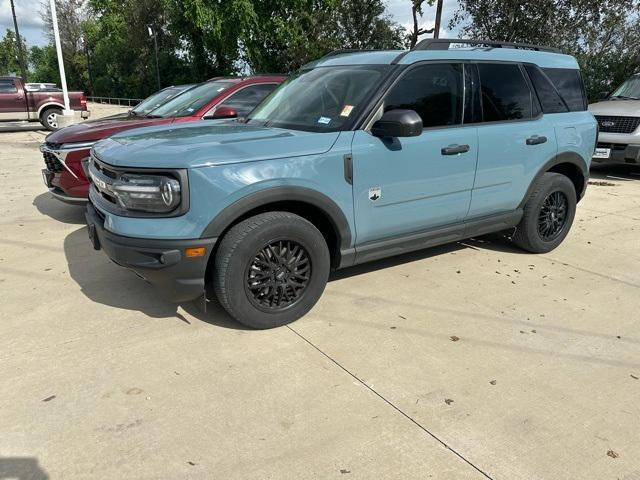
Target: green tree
<point>9,63</point>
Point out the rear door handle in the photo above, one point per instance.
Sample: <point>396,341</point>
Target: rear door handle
<point>536,140</point>
<point>454,149</point>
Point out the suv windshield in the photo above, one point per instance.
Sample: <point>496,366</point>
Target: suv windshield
<point>157,99</point>
<point>319,100</point>
<point>191,100</point>
<point>629,89</point>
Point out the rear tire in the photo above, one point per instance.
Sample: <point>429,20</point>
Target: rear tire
<point>49,118</point>
<point>548,214</point>
<point>271,269</point>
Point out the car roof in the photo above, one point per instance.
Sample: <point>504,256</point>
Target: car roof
<point>485,51</point>
<point>251,78</point>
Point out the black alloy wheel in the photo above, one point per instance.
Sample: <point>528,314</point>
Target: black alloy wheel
<point>553,216</point>
<point>279,275</point>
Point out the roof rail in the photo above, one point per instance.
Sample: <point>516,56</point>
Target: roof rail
<point>445,43</point>
<point>352,50</point>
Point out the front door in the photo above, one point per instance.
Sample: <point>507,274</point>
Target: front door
<point>410,185</point>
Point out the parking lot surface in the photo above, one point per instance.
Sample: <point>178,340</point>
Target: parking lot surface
<point>468,361</point>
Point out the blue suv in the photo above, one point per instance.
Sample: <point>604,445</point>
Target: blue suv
<point>358,156</point>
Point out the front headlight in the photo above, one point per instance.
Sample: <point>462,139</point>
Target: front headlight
<point>147,193</point>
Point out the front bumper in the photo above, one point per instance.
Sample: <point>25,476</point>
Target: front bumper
<point>160,262</point>
<point>620,153</point>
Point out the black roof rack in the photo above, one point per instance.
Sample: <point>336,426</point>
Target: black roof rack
<point>445,43</point>
<point>352,50</point>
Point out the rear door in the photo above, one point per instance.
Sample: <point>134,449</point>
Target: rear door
<point>515,139</point>
<point>13,105</point>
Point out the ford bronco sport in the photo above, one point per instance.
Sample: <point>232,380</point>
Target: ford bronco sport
<point>359,156</point>
<point>619,120</point>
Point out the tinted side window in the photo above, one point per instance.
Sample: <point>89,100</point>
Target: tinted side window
<point>434,91</point>
<point>248,98</point>
<point>547,94</point>
<point>7,86</point>
<point>505,93</point>
<point>569,84</point>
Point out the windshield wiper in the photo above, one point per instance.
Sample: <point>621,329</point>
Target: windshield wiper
<point>625,97</point>
<point>153,116</point>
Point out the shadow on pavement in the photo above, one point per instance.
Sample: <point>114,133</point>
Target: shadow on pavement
<point>13,127</point>
<point>615,172</point>
<point>60,211</point>
<point>104,282</point>
<point>21,468</point>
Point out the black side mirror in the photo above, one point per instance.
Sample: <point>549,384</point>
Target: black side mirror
<point>603,95</point>
<point>398,123</point>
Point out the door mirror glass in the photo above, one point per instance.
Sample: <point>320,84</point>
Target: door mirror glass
<point>398,123</point>
<point>222,112</point>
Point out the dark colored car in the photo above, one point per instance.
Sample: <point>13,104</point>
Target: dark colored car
<point>65,150</point>
<point>19,103</point>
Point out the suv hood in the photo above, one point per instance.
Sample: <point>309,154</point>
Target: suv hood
<point>204,144</point>
<point>618,108</point>
<point>95,130</point>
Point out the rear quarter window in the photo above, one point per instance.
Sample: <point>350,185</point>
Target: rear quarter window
<point>549,97</point>
<point>569,83</point>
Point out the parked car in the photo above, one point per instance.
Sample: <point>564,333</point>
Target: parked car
<point>152,102</point>
<point>619,120</point>
<point>17,103</point>
<point>65,150</point>
<point>357,157</point>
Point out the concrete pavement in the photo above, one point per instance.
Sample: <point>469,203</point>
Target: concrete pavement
<point>468,361</point>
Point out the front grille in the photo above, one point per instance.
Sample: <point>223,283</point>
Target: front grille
<point>102,168</point>
<point>52,162</point>
<point>610,124</point>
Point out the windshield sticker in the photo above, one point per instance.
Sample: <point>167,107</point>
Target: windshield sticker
<point>220,89</point>
<point>324,120</point>
<point>346,111</point>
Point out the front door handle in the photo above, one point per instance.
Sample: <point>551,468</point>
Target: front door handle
<point>536,140</point>
<point>454,149</point>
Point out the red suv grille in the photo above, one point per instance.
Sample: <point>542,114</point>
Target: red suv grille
<point>611,124</point>
<point>52,162</point>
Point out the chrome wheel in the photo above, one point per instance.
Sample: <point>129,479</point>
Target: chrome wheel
<point>278,275</point>
<point>52,120</point>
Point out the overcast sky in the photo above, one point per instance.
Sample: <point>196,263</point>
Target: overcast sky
<point>30,24</point>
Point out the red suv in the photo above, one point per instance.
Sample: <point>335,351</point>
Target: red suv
<point>66,150</point>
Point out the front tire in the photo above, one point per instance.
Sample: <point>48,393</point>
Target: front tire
<point>548,214</point>
<point>49,118</point>
<point>271,269</point>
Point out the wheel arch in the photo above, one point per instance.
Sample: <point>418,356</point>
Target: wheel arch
<point>570,164</point>
<point>45,106</point>
<point>310,204</point>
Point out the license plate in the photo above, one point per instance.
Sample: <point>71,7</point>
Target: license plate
<point>602,153</point>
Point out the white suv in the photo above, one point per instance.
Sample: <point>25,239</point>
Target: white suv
<point>619,120</point>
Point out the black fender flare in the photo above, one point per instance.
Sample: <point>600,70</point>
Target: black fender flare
<point>288,193</point>
<point>565,157</point>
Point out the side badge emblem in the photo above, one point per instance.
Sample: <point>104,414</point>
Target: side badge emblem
<point>375,193</point>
